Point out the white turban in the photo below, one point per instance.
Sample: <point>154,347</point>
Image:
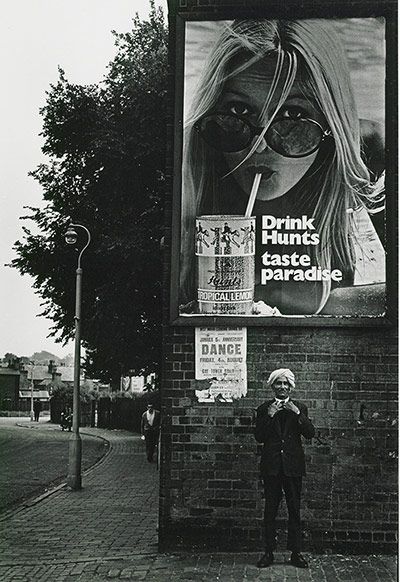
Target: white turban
<point>285,372</point>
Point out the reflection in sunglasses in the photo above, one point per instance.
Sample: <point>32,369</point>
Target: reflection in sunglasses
<point>288,137</point>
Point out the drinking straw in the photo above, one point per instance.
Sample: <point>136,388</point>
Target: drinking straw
<point>253,194</point>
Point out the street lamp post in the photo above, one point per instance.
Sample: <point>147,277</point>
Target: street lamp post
<point>32,411</point>
<point>74,480</point>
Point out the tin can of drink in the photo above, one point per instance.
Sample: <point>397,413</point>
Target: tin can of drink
<point>225,249</point>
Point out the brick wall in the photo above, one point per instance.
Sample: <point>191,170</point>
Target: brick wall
<point>211,495</point>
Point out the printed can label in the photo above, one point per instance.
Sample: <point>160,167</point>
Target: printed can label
<point>225,247</point>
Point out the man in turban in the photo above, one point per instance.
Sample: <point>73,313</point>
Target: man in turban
<point>280,423</point>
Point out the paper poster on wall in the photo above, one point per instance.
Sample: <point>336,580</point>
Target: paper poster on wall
<point>220,361</point>
<point>281,184</point>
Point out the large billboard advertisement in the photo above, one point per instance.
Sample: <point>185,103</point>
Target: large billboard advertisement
<point>281,170</point>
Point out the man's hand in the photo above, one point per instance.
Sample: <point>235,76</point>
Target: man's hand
<point>273,409</point>
<point>289,405</point>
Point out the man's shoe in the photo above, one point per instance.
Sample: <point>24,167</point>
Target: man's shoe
<point>298,561</point>
<point>266,560</point>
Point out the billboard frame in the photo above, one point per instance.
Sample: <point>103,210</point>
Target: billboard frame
<point>183,11</point>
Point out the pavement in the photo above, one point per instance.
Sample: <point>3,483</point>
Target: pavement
<point>108,531</point>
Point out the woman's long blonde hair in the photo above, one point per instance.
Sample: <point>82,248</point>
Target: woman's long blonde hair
<point>339,185</point>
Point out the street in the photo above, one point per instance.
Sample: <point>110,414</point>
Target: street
<point>34,457</point>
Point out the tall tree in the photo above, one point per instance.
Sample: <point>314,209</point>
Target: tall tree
<point>106,147</point>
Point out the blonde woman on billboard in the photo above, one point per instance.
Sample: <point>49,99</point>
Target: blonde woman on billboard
<point>275,99</point>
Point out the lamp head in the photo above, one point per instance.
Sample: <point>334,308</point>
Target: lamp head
<point>71,236</point>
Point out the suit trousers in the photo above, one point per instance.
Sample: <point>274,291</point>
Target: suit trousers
<point>151,440</point>
<point>274,486</point>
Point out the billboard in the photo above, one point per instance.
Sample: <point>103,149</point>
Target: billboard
<point>279,181</point>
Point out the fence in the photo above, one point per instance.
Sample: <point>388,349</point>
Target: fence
<point>124,413</point>
<point>88,411</point>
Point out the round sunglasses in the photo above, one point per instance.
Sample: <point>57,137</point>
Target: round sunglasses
<point>292,138</point>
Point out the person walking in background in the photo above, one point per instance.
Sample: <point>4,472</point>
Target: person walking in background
<point>37,408</point>
<point>150,428</point>
<point>280,423</point>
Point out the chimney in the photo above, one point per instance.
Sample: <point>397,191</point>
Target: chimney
<point>52,367</point>
<point>14,363</point>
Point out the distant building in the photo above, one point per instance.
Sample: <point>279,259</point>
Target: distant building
<point>45,374</point>
<point>9,388</point>
<point>20,380</point>
<point>44,379</point>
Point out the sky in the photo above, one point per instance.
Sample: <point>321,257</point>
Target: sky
<point>36,37</point>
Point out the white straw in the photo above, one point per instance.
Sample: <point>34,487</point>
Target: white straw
<point>253,195</point>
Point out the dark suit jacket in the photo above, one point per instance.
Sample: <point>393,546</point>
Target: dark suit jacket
<point>146,427</point>
<point>281,436</point>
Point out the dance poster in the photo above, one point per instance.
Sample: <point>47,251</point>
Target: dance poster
<point>220,363</point>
